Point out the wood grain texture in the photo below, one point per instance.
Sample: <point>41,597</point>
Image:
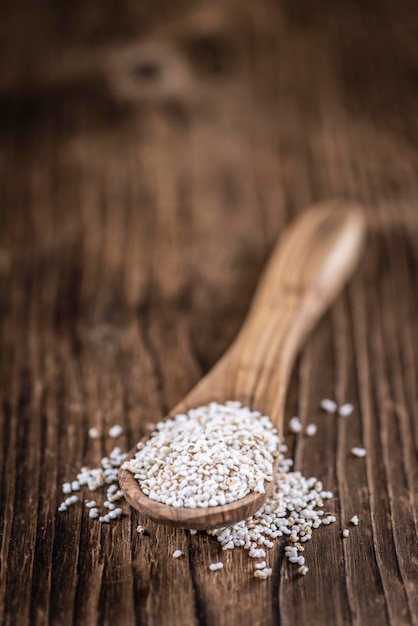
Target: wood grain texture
<point>135,220</point>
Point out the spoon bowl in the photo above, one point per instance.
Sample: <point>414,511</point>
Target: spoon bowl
<point>307,269</point>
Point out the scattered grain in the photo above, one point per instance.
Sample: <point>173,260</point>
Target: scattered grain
<point>215,566</point>
<point>93,479</point>
<point>329,406</point>
<point>254,553</point>
<point>345,410</point>
<point>177,554</point>
<point>263,573</point>
<point>115,431</point>
<point>115,513</point>
<point>70,500</point>
<point>311,430</point>
<point>292,511</point>
<point>295,425</point>
<point>359,452</point>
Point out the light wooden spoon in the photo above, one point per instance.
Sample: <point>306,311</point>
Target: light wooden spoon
<point>307,269</point>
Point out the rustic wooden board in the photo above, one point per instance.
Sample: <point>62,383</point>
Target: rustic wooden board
<point>131,238</point>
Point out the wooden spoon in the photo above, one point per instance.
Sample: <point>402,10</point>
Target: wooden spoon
<point>307,269</point>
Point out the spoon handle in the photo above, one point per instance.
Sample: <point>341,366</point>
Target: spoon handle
<point>307,268</point>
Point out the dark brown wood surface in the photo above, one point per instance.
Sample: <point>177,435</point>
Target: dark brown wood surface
<point>142,188</point>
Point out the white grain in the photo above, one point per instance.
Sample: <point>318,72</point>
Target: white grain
<point>359,452</point>
<point>263,573</point>
<point>295,425</point>
<point>215,566</point>
<point>177,554</point>
<point>311,430</point>
<point>214,455</point>
<point>329,406</point>
<point>115,513</point>
<point>71,500</point>
<point>292,511</point>
<point>115,431</point>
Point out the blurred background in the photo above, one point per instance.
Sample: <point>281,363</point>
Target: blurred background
<point>192,131</point>
<point>150,154</point>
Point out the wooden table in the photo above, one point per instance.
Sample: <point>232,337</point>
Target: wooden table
<point>142,188</point>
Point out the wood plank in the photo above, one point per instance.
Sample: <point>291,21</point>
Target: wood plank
<point>132,235</point>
